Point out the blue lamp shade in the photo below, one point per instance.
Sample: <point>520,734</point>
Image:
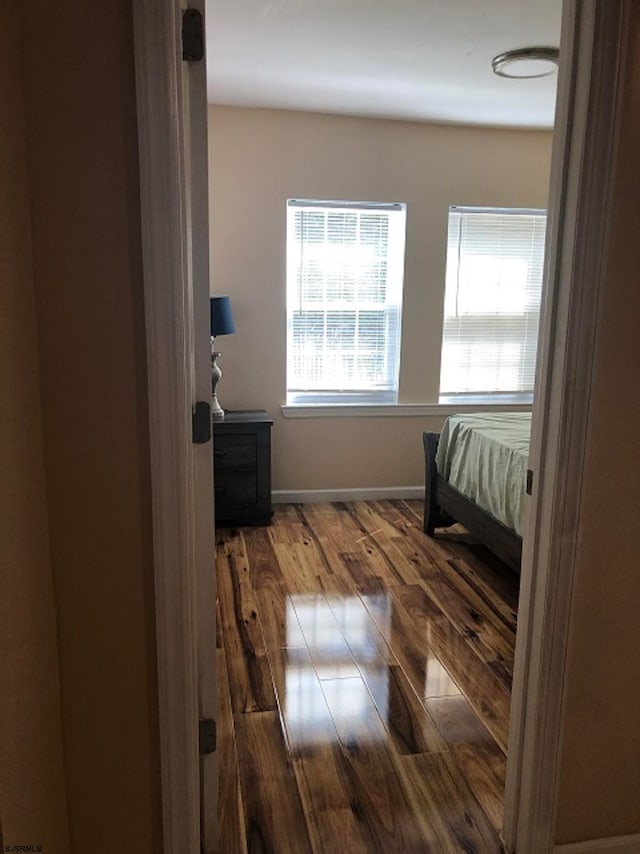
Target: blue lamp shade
<point>221,316</point>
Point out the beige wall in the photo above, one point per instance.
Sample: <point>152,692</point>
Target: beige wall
<point>258,159</point>
<point>600,783</point>
<point>91,410</point>
<point>33,807</point>
<point>93,541</point>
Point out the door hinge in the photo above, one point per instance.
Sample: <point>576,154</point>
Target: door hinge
<point>529,482</point>
<point>192,35</point>
<point>207,736</point>
<point>201,423</point>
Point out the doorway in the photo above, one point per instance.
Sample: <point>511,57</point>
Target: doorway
<point>580,99</point>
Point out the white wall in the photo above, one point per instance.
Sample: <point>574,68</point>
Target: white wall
<point>258,159</point>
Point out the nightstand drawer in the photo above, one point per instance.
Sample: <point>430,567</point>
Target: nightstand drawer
<point>234,452</point>
<point>235,487</point>
<point>242,468</point>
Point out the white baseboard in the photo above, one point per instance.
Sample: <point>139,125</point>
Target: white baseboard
<point>612,845</point>
<point>308,496</point>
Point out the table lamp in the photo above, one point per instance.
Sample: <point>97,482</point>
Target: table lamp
<point>221,324</point>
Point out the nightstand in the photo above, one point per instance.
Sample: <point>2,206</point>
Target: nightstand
<point>242,468</point>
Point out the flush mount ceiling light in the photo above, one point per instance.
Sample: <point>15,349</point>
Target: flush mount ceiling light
<point>526,62</point>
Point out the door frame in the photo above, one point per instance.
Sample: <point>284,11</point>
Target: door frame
<point>583,165</point>
<point>168,303</point>
<point>582,168</point>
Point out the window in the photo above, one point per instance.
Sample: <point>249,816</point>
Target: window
<point>345,265</point>
<point>493,287</point>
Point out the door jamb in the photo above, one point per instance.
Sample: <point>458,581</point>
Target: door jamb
<point>592,50</point>
<point>158,53</point>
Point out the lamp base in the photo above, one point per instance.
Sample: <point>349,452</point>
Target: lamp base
<point>216,410</point>
<point>216,375</point>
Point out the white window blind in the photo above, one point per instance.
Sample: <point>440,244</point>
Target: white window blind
<point>345,265</point>
<point>493,287</point>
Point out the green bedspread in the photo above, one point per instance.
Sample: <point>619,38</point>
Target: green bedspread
<point>485,457</point>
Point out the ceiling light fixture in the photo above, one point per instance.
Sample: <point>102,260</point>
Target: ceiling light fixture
<point>526,62</point>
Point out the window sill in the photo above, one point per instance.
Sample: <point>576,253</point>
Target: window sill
<point>397,410</point>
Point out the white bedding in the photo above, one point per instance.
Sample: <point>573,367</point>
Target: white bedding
<point>485,457</point>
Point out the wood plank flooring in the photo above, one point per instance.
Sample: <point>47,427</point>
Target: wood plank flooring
<point>364,677</point>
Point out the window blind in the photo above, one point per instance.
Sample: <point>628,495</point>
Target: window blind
<point>345,264</point>
<point>493,288</point>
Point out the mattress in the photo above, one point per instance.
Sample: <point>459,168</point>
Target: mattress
<point>485,457</point>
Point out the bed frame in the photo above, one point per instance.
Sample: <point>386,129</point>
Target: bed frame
<point>444,505</point>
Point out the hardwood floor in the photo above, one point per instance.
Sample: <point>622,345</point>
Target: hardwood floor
<point>364,684</point>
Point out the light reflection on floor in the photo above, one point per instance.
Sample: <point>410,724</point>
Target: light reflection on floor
<point>336,666</point>
<point>437,682</point>
<point>332,663</point>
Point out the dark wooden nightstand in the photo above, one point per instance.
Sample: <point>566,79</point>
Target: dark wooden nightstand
<point>242,468</point>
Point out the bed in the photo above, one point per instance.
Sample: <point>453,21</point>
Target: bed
<point>476,474</point>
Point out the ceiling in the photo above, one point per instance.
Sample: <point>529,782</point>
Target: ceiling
<point>422,60</point>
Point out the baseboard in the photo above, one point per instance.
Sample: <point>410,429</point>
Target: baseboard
<point>612,845</point>
<point>308,496</point>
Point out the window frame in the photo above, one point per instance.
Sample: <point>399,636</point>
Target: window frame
<point>497,396</point>
<point>395,280</point>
